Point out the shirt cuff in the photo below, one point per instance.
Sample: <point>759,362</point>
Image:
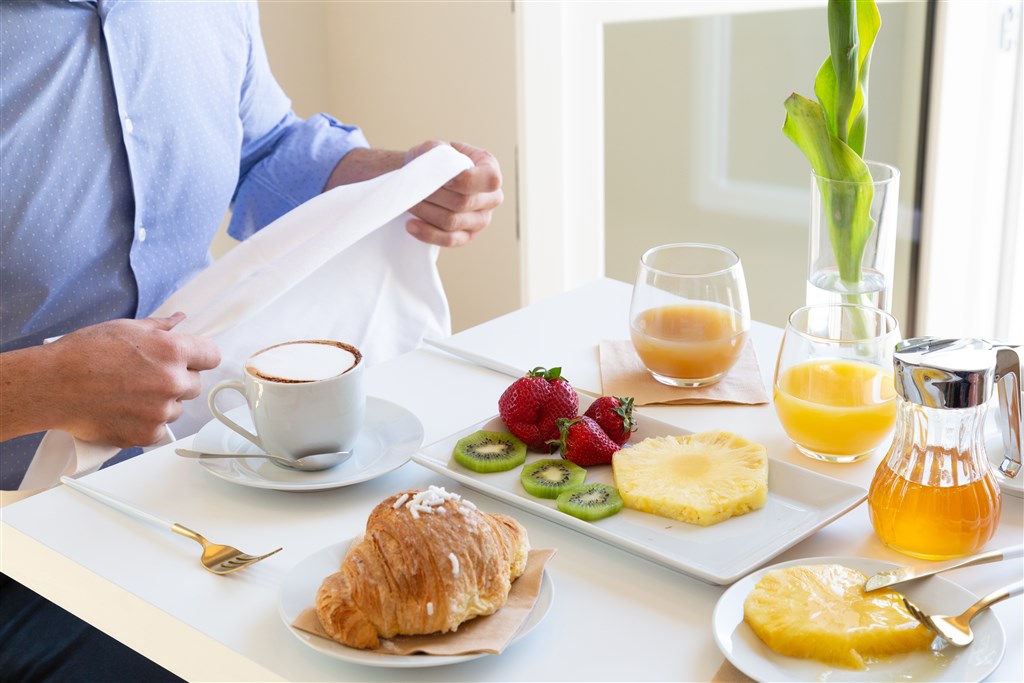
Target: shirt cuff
<point>293,173</point>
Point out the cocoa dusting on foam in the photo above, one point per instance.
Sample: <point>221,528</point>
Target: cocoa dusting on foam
<point>302,362</point>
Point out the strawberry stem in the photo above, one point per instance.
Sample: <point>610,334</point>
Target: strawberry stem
<point>563,430</point>
<point>552,374</point>
<point>625,411</point>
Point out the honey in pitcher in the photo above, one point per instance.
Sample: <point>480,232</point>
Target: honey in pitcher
<point>952,517</point>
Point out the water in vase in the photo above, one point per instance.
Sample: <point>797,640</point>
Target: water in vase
<point>826,287</point>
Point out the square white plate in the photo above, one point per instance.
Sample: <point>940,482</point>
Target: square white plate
<point>799,503</point>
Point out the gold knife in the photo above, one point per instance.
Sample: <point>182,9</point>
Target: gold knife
<point>894,576</point>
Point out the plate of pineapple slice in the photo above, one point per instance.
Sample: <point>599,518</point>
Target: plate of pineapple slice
<point>810,620</point>
<point>710,505</point>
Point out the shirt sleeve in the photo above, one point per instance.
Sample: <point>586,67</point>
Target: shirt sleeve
<point>285,160</point>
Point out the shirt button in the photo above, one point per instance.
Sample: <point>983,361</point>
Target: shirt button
<point>128,126</point>
<point>142,234</point>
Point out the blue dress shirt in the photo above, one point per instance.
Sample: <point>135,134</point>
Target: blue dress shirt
<point>127,130</point>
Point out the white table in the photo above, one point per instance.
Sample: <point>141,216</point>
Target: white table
<point>615,617</point>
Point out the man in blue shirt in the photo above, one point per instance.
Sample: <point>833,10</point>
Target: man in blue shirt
<point>127,131</point>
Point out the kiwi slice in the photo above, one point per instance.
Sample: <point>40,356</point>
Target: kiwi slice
<point>548,478</point>
<point>590,501</point>
<point>490,451</point>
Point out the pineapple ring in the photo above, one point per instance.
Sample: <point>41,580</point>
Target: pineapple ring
<point>821,612</point>
<point>699,479</point>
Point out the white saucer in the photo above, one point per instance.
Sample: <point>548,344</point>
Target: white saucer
<point>390,435</point>
<point>298,591</point>
<point>746,652</point>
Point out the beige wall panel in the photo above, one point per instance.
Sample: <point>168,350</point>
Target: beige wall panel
<point>412,71</point>
<point>295,33</point>
<point>406,72</point>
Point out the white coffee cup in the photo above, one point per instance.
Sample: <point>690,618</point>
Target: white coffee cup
<point>306,399</point>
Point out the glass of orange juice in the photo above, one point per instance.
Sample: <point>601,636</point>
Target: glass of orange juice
<point>689,316</point>
<point>834,391</point>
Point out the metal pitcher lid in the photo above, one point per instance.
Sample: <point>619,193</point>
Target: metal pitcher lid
<point>945,373</point>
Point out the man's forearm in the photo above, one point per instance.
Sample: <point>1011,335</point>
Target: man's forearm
<point>363,164</point>
<point>24,376</point>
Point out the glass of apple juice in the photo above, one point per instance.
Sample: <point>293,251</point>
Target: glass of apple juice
<point>833,389</point>
<point>689,316</point>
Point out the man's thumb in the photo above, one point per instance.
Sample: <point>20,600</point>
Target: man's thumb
<point>166,324</point>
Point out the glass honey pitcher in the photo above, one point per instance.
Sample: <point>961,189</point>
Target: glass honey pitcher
<point>935,495</point>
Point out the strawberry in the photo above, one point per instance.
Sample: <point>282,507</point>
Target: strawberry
<point>531,405</point>
<point>584,442</point>
<point>615,415</point>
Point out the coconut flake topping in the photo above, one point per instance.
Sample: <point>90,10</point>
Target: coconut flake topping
<point>433,498</point>
<point>455,563</point>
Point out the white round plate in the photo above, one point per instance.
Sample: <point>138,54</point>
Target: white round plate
<point>749,654</point>
<point>298,591</point>
<point>390,435</point>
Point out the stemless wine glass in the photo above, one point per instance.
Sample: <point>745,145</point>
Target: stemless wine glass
<point>834,391</point>
<point>689,316</point>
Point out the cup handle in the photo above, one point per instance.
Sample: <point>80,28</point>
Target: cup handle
<point>228,422</point>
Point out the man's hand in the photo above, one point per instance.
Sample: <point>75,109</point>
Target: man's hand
<point>454,214</point>
<point>116,383</point>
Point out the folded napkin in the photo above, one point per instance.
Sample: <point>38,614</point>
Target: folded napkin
<point>490,634</point>
<point>340,266</point>
<point>623,374</point>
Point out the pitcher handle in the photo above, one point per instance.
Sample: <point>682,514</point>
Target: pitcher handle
<point>228,422</point>
<point>1011,426</point>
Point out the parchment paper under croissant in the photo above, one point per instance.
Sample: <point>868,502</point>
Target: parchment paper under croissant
<point>428,562</point>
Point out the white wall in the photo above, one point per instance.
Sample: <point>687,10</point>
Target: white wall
<point>671,105</point>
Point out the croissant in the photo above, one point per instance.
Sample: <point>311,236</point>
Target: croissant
<point>428,562</point>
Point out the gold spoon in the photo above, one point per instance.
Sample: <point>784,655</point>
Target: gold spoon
<point>957,630</point>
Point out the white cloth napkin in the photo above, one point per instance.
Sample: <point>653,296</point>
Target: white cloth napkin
<point>341,266</point>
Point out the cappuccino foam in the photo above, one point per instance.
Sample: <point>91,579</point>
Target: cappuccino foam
<point>303,361</point>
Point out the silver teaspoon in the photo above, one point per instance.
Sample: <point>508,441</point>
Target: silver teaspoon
<point>307,463</point>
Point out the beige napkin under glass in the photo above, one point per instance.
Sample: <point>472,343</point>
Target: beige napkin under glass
<point>623,374</point>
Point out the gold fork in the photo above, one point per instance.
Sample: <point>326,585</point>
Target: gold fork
<point>216,558</point>
<point>957,629</point>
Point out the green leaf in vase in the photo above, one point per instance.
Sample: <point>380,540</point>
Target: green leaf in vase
<point>847,203</point>
<point>832,131</point>
<point>842,82</point>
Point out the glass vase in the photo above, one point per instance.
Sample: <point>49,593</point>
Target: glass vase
<point>852,248</point>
